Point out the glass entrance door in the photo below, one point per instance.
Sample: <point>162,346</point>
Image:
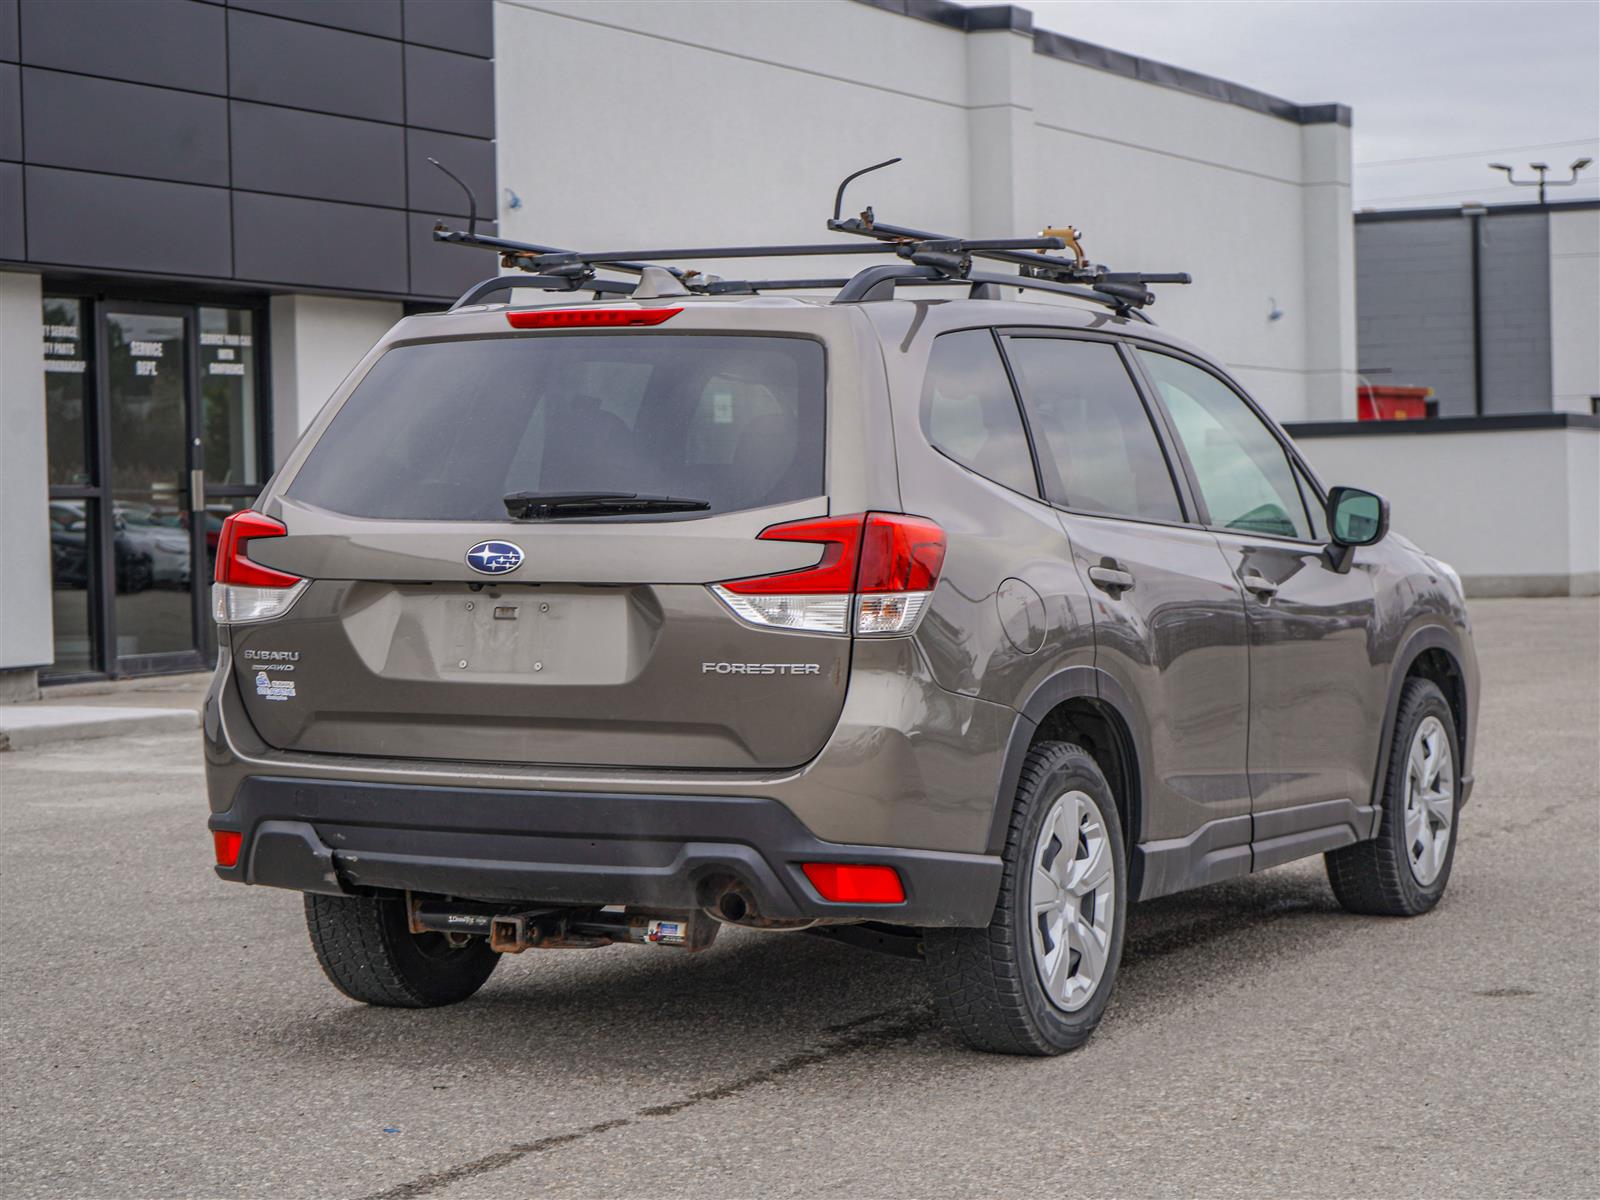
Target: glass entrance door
<point>150,457</point>
<point>156,433</point>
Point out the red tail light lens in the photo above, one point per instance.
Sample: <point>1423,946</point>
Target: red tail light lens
<point>233,566</point>
<point>900,554</point>
<point>880,567</point>
<point>855,883</point>
<point>227,844</point>
<point>569,318</point>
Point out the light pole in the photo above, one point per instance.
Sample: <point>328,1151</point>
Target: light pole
<point>1540,169</point>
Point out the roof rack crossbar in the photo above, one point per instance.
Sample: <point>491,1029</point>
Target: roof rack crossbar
<point>927,258</point>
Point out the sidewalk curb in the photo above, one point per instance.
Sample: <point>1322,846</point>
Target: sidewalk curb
<point>23,727</point>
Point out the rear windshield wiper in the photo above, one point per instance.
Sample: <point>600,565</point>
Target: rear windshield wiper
<point>551,506</point>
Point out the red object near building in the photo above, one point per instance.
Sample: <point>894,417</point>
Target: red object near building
<point>1393,403</point>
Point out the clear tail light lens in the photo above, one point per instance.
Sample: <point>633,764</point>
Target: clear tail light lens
<point>246,591</point>
<point>875,576</point>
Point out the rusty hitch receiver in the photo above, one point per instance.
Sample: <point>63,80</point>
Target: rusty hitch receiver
<point>511,930</point>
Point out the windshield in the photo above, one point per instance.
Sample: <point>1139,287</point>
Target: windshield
<point>443,431</point>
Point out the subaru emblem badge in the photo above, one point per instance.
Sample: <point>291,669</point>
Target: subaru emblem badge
<point>494,558</point>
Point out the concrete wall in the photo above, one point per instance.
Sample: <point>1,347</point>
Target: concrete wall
<point>316,342</point>
<point>771,104</point>
<point>25,633</point>
<point>1575,309</point>
<point>1515,511</point>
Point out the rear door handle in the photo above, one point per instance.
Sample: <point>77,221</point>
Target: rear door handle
<point>1259,584</point>
<point>1110,579</point>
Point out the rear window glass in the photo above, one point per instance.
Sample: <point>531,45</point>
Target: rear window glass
<point>444,430</point>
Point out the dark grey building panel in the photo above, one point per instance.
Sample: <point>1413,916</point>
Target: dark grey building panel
<point>12,242</point>
<point>318,156</point>
<point>312,243</point>
<point>76,218</point>
<point>466,26</point>
<point>176,43</point>
<point>440,269</point>
<point>9,18</point>
<point>1414,308</point>
<point>314,67</point>
<point>431,191</point>
<point>124,128</point>
<point>449,92</point>
<point>379,17</point>
<point>10,112</point>
<point>1514,257</point>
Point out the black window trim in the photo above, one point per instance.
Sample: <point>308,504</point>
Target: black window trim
<point>1158,424</point>
<point>1297,464</point>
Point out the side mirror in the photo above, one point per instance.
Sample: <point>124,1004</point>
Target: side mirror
<point>1357,517</point>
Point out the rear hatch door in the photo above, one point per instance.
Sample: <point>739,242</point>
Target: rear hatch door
<point>437,626</point>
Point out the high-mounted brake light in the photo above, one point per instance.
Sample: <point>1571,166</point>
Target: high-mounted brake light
<point>881,567</point>
<point>246,591</point>
<point>855,883</point>
<point>568,318</point>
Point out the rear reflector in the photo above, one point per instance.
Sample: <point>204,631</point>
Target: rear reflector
<point>880,567</point>
<point>855,883</point>
<point>246,591</point>
<point>227,845</point>
<point>568,318</point>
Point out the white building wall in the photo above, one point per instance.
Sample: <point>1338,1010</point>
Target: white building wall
<point>25,623</point>
<point>316,342</point>
<point>733,123</point>
<point>1575,309</point>
<point>1516,512</point>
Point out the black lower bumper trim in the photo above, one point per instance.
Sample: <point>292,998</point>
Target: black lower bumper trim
<point>574,848</point>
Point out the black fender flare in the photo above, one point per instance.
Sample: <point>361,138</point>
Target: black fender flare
<point>1428,637</point>
<point>1089,683</point>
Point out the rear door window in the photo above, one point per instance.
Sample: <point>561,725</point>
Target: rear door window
<point>1093,429</point>
<point>969,412</point>
<point>444,430</point>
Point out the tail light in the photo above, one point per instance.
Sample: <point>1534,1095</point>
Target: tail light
<point>875,575</point>
<point>246,591</point>
<point>226,843</point>
<point>856,883</point>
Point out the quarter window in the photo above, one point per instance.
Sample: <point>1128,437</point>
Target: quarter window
<point>1093,429</point>
<point>1244,475</point>
<point>970,414</point>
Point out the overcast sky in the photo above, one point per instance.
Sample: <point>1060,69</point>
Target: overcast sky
<point>1487,81</point>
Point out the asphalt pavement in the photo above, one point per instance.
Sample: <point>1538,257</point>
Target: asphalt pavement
<point>165,1034</point>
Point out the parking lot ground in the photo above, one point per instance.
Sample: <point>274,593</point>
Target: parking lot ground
<point>164,1034</point>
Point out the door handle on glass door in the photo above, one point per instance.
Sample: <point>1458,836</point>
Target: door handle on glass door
<point>1109,579</point>
<point>1259,584</point>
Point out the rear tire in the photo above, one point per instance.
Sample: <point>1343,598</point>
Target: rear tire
<point>990,984</point>
<point>1403,871</point>
<point>369,953</point>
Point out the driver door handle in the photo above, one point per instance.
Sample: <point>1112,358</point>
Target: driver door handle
<point>1259,584</point>
<point>1109,579</point>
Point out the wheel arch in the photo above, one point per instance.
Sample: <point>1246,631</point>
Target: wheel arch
<point>1432,653</point>
<point>1086,706</point>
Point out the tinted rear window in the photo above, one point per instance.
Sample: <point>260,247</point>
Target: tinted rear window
<point>443,431</point>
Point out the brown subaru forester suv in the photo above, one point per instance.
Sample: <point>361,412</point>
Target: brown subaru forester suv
<point>943,626</point>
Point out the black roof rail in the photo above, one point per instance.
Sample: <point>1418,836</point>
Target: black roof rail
<point>927,258</point>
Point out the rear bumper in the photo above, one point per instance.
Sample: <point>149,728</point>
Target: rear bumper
<point>573,848</point>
